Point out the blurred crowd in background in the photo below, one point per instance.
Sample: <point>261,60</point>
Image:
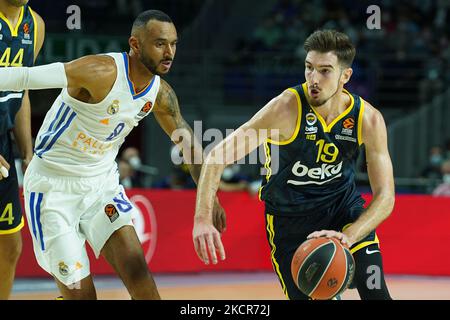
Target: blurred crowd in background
<point>439,168</point>
<point>412,47</point>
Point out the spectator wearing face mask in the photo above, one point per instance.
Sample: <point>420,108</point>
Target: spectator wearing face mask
<point>444,188</point>
<point>126,174</point>
<point>129,168</point>
<point>433,169</point>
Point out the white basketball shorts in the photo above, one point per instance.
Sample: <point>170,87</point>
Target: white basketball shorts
<point>63,212</point>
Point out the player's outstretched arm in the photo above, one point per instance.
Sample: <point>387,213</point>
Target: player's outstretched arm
<point>381,177</point>
<point>276,121</point>
<point>95,74</point>
<point>167,113</point>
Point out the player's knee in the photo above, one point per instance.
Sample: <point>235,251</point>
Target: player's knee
<point>10,250</point>
<point>134,267</point>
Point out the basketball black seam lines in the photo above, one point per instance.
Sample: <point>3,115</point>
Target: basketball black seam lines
<point>346,271</point>
<point>300,267</point>
<point>326,269</point>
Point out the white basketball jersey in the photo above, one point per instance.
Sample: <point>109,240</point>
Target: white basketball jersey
<point>83,139</point>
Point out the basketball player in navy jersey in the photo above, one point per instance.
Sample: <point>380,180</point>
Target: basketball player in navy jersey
<point>21,37</point>
<point>318,128</point>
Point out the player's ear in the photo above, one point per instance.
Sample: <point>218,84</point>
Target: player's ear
<point>134,44</point>
<point>346,75</point>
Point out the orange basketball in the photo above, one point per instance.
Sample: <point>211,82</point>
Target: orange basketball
<point>322,268</point>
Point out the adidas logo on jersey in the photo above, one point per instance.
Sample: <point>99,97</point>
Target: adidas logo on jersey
<point>319,175</point>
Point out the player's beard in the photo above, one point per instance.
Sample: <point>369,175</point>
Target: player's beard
<point>149,64</point>
<point>17,3</point>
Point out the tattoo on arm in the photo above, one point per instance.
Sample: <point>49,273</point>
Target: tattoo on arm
<point>168,102</point>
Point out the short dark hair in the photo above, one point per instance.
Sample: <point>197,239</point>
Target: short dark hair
<point>332,41</point>
<point>144,17</point>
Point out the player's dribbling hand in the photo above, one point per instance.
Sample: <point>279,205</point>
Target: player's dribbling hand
<point>219,217</point>
<point>207,241</point>
<point>4,168</point>
<point>343,238</point>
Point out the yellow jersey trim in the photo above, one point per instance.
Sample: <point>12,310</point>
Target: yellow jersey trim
<point>14,30</point>
<point>275,264</point>
<point>268,161</point>
<point>365,244</point>
<point>35,31</point>
<point>267,166</point>
<point>360,122</point>
<point>327,128</point>
<point>297,126</point>
<point>14,230</point>
<point>362,244</point>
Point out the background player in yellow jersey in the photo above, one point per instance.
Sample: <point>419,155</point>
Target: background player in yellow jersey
<point>318,127</point>
<point>21,38</point>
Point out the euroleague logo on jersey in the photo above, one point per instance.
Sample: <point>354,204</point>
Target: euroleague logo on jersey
<point>349,123</point>
<point>26,28</point>
<point>144,221</point>
<point>348,126</point>
<point>145,109</point>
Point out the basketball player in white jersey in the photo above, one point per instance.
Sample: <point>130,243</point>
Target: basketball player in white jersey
<point>71,187</point>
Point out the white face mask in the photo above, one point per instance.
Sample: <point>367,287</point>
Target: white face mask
<point>446,178</point>
<point>227,173</point>
<point>126,183</point>
<point>236,168</point>
<point>135,162</point>
<point>436,159</point>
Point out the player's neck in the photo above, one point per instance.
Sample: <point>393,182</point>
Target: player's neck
<point>334,106</point>
<point>139,74</point>
<point>12,13</point>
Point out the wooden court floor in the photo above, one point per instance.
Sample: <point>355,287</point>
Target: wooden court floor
<point>231,286</point>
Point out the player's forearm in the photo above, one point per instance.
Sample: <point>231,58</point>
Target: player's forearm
<point>378,210</point>
<point>22,129</point>
<point>41,77</point>
<point>192,151</point>
<point>207,188</point>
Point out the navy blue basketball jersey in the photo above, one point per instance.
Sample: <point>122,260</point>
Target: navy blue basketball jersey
<point>17,47</point>
<point>317,165</point>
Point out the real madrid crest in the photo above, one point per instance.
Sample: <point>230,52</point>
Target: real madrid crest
<point>113,107</point>
<point>63,269</point>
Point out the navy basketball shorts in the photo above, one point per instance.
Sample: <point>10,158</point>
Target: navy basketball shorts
<point>286,233</point>
<point>11,219</point>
